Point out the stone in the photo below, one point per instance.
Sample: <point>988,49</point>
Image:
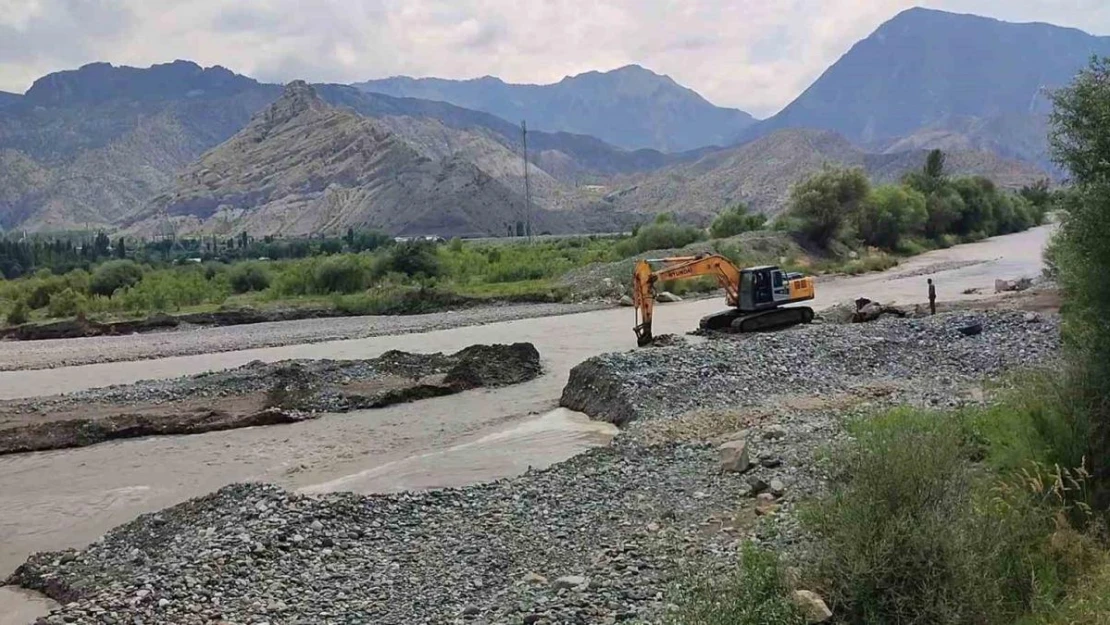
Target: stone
<point>626,300</point>
<point>758,486</point>
<point>534,578</point>
<point>971,329</point>
<point>771,462</point>
<point>812,606</point>
<point>667,297</point>
<point>774,431</point>
<point>1032,317</point>
<point>571,581</point>
<point>734,456</point>
<point>777,488</point>
<point>470,610</point>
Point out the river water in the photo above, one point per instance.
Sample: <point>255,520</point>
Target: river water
<point>67,498</point>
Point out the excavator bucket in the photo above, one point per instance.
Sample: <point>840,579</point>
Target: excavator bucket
<point>643,334</point>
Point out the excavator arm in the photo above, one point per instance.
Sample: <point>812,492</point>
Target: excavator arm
<point>678,268</point>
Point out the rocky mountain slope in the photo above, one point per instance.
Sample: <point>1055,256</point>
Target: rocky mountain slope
<point>303,166</point>
<point>8,99</point>
<point>762,171</point>
<point>93,145</point>
<point>631,107</point>
<point>944,79</point>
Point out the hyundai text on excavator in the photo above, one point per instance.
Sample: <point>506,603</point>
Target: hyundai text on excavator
<point>755,294</point>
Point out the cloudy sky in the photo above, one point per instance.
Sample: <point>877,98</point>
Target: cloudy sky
<point>751,54</point>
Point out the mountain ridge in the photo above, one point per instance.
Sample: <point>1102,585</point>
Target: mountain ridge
<point>630,107</point>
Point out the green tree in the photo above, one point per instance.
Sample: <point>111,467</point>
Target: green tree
<point>246,277</point>
<point>114,275</point>
<point>1079,136</point>
<point>824,202</point>
<point>414,258</point>
<point>889,213</point>
<point>121,248</point>
<point>736,220</point>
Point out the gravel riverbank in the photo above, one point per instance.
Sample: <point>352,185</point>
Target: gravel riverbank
<point>596,539</point>
<point>257,394</point>
<point>48,354</point>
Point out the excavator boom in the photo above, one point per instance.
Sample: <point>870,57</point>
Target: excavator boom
<point>753,295</point>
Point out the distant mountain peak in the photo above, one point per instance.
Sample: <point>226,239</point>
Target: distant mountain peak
<point>99,82</point>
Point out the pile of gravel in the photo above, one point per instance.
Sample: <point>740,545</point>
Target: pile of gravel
<point>477,365</point>
<point>746,370</point>
<point>596,539</point>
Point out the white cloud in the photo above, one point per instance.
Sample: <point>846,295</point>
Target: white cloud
<point>752,54</point>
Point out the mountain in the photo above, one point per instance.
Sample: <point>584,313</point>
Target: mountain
<point>630,107</point>
<point>9,99</point>
<point>91,146</point>
<point>978,79</point>
<point>762,171</point>
<point>303,166</point>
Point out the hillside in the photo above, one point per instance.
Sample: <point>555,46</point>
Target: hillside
<point>630,107</point>
<point>92,145</point>
<point>303,166</point>
<point>761,173</point>
<point>976,81</point>
<point>8,99</point>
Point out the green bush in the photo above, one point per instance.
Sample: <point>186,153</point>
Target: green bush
<point>247,277</point>
<point>67,303</point>
<point>736,220</point>
<point>914,532</point>
<point>114,275</point>
<point>822,204</point>
<point>661,234</point>
<point>753,594</point>
<point>888,214</point>
<point>414,258</point>
<point>19,314</point>
<point>341,274</point>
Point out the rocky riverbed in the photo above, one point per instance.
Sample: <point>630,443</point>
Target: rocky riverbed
<point>257,394</point>
<point>597,539</point>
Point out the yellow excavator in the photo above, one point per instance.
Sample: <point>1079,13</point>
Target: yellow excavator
<point>755,295</point>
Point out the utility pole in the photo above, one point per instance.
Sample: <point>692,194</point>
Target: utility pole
<point>527,186</point>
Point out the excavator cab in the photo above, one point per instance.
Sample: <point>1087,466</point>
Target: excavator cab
<point>756,295</point>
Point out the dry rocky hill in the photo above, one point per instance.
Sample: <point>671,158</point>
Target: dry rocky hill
<point>761,173</point>
<point>303,166</point>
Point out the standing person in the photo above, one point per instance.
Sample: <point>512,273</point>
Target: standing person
<point>932,297</point>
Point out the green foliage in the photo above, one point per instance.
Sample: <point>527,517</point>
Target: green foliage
<point>67,303</point>
<point>890,213</point>
<point>341,274</point>
<point>19,314</point>
<point>662,234</point>
<point>114,275</point>
<point>823,203</point>
<point>912,532</point>
<point>414,258</point>
<point>1080,135</point>
<point>753,594</point>
<point>736,220</point>
<point>247,277</point>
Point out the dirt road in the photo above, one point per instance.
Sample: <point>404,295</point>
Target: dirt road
<point>61,499</point>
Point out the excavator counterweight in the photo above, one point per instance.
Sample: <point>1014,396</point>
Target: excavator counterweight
<point>755,295</point>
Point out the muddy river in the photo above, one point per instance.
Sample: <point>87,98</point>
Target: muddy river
<point>67,498</point>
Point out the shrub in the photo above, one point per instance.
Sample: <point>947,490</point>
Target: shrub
<point>341,274</point>
<point>414,258</point>
<point>67,303</point>
<point>247,277</point>
<point>736,220</point>
<point>114,275</point>
<point>890,213</point>
<point>822,203</point>
<point>913,533</point>
<point>661,234</point>
<point>18,315</point>
<point>753,594</point>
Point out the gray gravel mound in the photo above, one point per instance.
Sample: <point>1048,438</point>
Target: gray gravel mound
<point>593,540</point>
<point>744,370</point>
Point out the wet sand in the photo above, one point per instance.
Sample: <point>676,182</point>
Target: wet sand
<point>60,499</point>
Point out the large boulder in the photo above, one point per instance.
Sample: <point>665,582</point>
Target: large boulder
<point>734,456</point>
<point>667,297</point>
<point>812,606</point>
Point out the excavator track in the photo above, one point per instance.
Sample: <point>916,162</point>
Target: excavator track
<point>736,322</point>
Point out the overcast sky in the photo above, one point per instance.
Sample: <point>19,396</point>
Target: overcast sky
<point>751,54</point>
